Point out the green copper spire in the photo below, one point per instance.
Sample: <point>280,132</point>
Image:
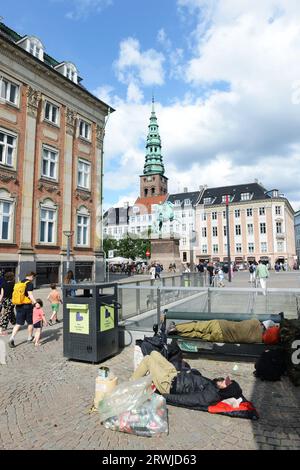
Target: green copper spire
<point>153,161</point>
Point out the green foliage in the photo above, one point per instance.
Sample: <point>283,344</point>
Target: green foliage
<point>128,247</point>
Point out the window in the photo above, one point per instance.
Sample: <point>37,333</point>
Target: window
<point>204,249</point>
<point>224,198</point>
<point>84,171</point>
<point>215,231</point>
<point>224,214</point>
<point>225,248</point>
<point>7,149</point>
<point>262,211</point>
<point>70,72</point>
<point>238,248</point>
<point>183,214</point>
<point>251,247</point>
<point>138,219</point>
<point>9,91</point>
<point>207,200</point>
<point>203,216</point>
<point>214,215</point>
<point>191,213</point>
<point>204,232</point>
<point>249,213</point>
<point>83,227</point>
<point>132,219</point>
<point>187,202</point>
<point>280,246</point>
<point>50,163</point>
<point>177,202</point>
<point>184,241</point>
<point>238,230</point>
<point>225,231</point>
<point>245,196</point>
<point>35,48</point>
<point>262,227</point>
<point>184,227</point>
<point>5,220</point>
<point>278,227</point>
<point>47,224</point>
<point>84,129</point>
<point>250,229</point>
<point>215,248</point>
<point>263,247</point>
<point>237,213</point>
<point>278,210</point>
<point>51,112</point>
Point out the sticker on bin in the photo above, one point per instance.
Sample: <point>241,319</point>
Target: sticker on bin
<point>79,318</point>
<point>107,317</point>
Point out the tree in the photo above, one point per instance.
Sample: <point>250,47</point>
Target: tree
<point>109,244</point>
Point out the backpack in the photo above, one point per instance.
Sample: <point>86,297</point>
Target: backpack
<point>271,365</point>
<point>18,295</point>
<point>251,269</point>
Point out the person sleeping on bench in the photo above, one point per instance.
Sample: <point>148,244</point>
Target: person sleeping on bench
<point>226,331</point>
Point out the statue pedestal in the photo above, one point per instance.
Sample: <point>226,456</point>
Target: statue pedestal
<point>166,251</point>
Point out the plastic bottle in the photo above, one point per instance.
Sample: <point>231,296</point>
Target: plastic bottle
<point>104,385</point>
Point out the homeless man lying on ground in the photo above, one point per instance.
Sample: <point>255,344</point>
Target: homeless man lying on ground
<point>226,331</point>
<point>187,387</point>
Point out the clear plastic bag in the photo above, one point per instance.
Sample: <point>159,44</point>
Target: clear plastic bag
<point>137,357</point>
<point>151,419</point>
<point>126,397</point>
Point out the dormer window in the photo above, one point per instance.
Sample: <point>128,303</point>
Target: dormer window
<point>187,202</point>
<point>32,45</point>
<point>69,70</point>
<point>177,202</point>
<point>207,200</point>
<point>245,196</point>
<point>224,198</point>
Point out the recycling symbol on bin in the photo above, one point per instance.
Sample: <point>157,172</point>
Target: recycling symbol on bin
<point>78,316</point>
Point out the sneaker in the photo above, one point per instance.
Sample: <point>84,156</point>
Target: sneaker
<point>30,339</point>
<point>11,343</point>
<point>50,322</point>
<point>57,321</point>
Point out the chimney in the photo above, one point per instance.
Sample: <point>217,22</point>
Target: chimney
<point>185,190</point>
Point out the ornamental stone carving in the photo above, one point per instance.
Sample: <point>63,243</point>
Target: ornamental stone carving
<point>33,99</point>
<point>83,196</point>
<point>6,178</point>
<point>70,121</point>
<point>100,133</point>
<point>49,188</point>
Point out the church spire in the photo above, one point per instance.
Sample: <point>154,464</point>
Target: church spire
<point>153,161</point>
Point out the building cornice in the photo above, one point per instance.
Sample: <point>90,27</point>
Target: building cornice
<point>43,70</point>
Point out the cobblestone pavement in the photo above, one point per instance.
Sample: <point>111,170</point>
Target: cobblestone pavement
<point>45,401</point>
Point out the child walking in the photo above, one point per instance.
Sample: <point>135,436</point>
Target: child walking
<point>55,299</point>
<point>38,319</point>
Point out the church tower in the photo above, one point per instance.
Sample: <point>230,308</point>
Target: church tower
<point>153,182</point>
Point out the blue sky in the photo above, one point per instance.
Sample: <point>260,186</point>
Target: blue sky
<point>225,75</point>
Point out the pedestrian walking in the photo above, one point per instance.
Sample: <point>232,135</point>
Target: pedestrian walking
<point>38,319</point>
<point>262,275</point>
<point>69,279</point>
<point>157,271</point>
<point>220,278</point>
<point>152,272</point>
<point>252,273</point>
<point>7,309</point>
<point>211,270</point>
<point>23,299</point>
<point>55,299</point>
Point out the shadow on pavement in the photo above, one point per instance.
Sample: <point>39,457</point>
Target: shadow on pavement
<point>50,335</point>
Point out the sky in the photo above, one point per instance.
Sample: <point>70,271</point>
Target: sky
<point>225,75</point>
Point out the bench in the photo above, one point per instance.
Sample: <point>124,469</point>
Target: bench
<point>229,349</point>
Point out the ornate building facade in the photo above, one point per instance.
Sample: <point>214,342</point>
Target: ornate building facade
<point>51,140</point>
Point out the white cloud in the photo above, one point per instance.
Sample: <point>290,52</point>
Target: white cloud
<point>250,130</point>
<point>83,8</point>
<point>138,68</point>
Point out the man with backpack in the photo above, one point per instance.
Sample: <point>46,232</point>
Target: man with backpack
<point>24,301</point>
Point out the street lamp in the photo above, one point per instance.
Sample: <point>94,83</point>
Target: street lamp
<point>228,238</point>
<point>68,234</point>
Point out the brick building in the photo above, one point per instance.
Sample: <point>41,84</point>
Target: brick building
<point>51,141</point>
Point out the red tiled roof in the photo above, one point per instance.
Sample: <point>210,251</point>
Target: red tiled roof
<point>145,203</point>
